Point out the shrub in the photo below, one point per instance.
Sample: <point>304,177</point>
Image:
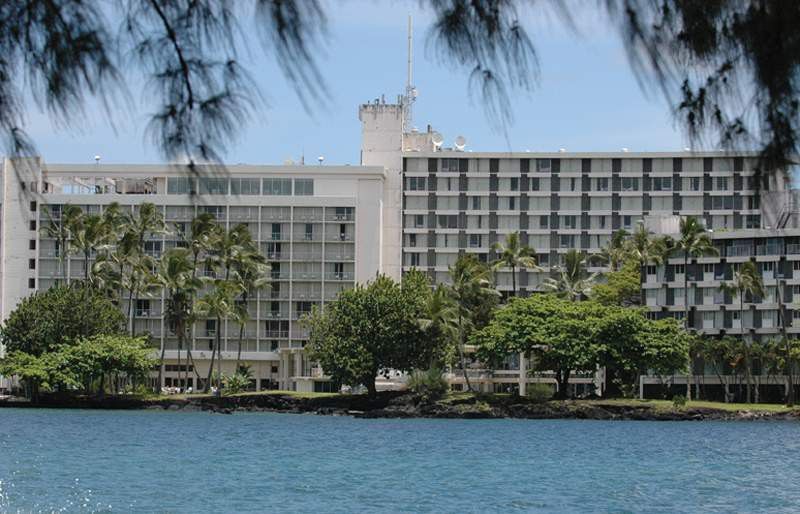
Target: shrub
<point>428,383</point>
<point>540,393</point>
<point>235,383</point>
<point>678,401</point>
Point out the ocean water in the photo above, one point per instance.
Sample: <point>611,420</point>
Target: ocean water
<point>142,461</point>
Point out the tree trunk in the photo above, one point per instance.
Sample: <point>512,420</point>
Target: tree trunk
<point>514,279</point>
<point>562,378</point>
<point>686,322</point>
<point>747,370</point>
<point>461,352</point>
<point>86,266</point>
<point>131,311</point>
<point>180,347</point>
<point>161,368</point>
<point>219,358</point>
<point>239,349</point>
<point>372,391</point>
<point>788,370</point>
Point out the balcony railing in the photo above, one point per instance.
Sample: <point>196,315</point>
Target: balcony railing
<point>279,275</point>
<point>307,275</point>
<point>739,251</point>
<point>339,217</point>
<point>339,237</point>
<point>276,334</point>
<point>773,249</point>
<point>339,275</point>
<point>276,315</point>
<point>793,249</point>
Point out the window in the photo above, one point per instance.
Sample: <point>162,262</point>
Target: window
<point>32,244</point>
<point>276,231</point>
<point>662,183</point>
<point>512,203</point>
<point>721,202</point>
<point>245,186</point>
<point>795,265</point>
<point>694,184</point>
<point>277,186</point>
<point>515,184</point>
<point>569,222</point>
<point>573,183</point>
<point>308,235</point>
<point>416,183</point>
<point>303,187</point>
<point>722,183</point>
<point>753,221</point>
<point>679,269</point>
<point>534,183</point>
<point>33,206</point>
<point>213,186</point>
<point>447,221</point>
<point>543,165</point>
<point>343,232</point>
<point>475,241</point>
<point>602,221</point>
<point>211,327</point>
<point>567,241</point>
<point>651,270</point>
<point>476,203</point>
<point>32,225</point>
<point>708,268</point>
<point>419,221</point>
<point>181,186</point>
<point>31,263</point>
<point>450,165</point>
<point>142,307</point>
<point>413,259</point>
<point>31,283</point>
<point>626,222</point>
<point>412,240</point>
<point>630,183</point>
<point>544,222</point>
<point>602,184</point>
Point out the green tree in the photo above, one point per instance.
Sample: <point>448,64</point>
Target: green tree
<point>439,322</point>
<point>250,274</point>
<point>746,281</point>
<point>472,292</point>
<point>573,280</point>
<point>36,372</point>
<point>622,287</point>
<point>58,228</point>
<point>57,316</point>
<point>96,359</point>
<point>514,255</point>
<point>559,332</point>
<point>370,330</point>
<point>220,304</point>
<point>694,242</point>
<point>176,275</point>
<point>615,252</point>
<point>88,233</point>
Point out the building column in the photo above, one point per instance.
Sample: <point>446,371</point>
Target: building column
<point>523,374</point>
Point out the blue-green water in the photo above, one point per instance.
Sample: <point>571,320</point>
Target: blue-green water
<point>89,461</point>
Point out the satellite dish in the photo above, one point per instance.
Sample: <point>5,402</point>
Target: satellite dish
<point>437,140</point>
<point>460,143</point>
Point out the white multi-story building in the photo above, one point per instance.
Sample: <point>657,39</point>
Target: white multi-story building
<point>319,227</point>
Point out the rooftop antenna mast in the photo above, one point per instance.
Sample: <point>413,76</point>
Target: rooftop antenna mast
<point>411,91</point>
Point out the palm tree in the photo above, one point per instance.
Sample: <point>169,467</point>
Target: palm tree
<point>693,242</point>
<point>645,248</point>
<point>204,237</point>
<point>219,303</point>
<point>60,230</point>
<point>176,276</point>
<point>514,255</point>
<point>746,281</point>
<point>574,281</point>
<point>89,233</point>
<point>250,274</point>
<point>440,318</point>
<point>615,252</point>
<point>470,283</point>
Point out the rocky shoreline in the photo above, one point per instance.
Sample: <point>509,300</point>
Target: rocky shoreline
<point>408,405</point>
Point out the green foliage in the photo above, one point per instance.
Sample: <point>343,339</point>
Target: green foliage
<point>371,329</point>
<point>93,359</point>
<point>59,316</point>
<point>539,393</point>
<point>429,384</point>
<point>568,336</point>
<point>236,383</point>
<point>678,401</point>
<point>86,362</point>
<point>573,281</point>
<point>622,287</point>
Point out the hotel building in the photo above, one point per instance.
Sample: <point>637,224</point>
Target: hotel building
<point>319,227</point>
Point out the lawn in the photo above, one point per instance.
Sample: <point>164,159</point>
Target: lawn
<point>667,405</point>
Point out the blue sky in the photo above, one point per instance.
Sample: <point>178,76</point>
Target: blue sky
<point>587,99</point>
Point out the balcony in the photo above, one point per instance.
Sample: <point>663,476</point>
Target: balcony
<point>340,257</point>
<point>276,334</point>
<point>340,217</point>
<point>793,249</point>
<point>338,237</point>
<point>739,251</point>
<point>276,315</point>
<point>279,275</point>
<point>278,236</point>
<point>307,256</point>
<point>307,275</point>
<point>339,275</point>
<point>774,249</point>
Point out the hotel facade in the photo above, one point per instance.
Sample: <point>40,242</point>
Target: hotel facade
<point>415,203</point>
